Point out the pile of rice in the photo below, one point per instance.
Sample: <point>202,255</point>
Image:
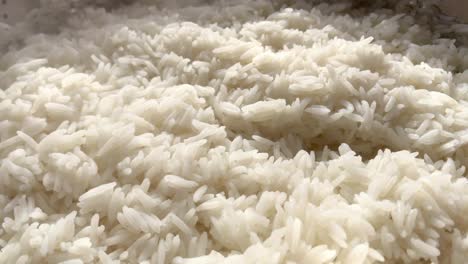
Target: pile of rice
<point>236,132</point>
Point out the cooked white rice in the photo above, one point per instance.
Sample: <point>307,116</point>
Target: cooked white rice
<point>236,132</point>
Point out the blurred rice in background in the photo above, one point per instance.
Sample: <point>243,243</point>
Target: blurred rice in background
<point>456,8</point>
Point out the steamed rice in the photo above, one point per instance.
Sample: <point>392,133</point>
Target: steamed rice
<point>253,133</point>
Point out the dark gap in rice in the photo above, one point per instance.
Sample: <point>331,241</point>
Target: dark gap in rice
<point>366,149</point>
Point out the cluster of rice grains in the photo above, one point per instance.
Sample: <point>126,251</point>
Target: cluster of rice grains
<point>252,134</point>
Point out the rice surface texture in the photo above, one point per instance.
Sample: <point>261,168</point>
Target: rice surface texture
<point>184,132</point>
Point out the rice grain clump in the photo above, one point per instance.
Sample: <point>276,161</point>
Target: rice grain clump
<point>248,133</point>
